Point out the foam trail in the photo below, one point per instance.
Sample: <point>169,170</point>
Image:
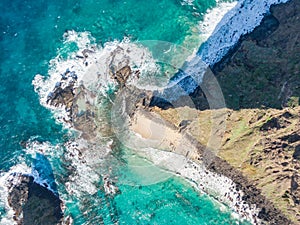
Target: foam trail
<point>190,76</point>
<point>86,162</point>
<point>85,159</point>
<point>219,186</point>
<point>213,16</point>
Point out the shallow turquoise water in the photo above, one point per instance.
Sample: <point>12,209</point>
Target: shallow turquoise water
<point>31,33</point>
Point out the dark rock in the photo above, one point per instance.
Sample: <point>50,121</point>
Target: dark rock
<point>296,154</point>
<point>294,184</point>
<point>122,75</point>
<point>295,190</point>
<point>62,96</point>
<point>199,98</point>
<point>291,138</point>
<point>32,203</point>
<point>184,123</point>
<point>87,51</point>
<point>272,123</point>
<point>267,26</point>
<point>286,115</point>
<point>263,214</point>
<point>160,102</point>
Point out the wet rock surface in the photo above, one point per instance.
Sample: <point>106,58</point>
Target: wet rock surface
<point>63,96</point>
<point>122,75</point>
<point>33,203</point>
<point>63,93</point>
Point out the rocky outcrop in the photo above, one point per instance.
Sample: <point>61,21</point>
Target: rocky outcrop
<point>33,203</point>
<point>63,92</point>
<point>260,149</point>
<point>122,75</point>
<point>263,68</point>
<point>257,77</point>
<point>259,152</point>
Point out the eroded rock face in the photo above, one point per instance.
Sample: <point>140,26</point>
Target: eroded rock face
<point>18,195</point>
<point>260,152</point>
<point>33,203</point>
<point>122,75</point>
<point>295,188</point>
<point>263,69</point>
<point>64,92</point>
<point>63,96</point>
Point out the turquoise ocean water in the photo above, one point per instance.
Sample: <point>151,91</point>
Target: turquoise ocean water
<point>31,33</point>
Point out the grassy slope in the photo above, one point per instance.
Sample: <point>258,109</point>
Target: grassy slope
<point>255,142</point>
<point>260,81</point>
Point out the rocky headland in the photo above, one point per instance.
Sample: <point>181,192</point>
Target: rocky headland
<point>253,143</point>
<point>259,150</point>
<point>260,81</point>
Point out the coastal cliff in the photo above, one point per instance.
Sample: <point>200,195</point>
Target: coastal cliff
<point>259,152</point>
<point>260,80</point>
<point>262,70</point>
<point>257,149</point>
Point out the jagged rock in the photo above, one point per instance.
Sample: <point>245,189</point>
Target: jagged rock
<point>122,75</point>
<point>273,123</point>
<point>276,122</point>
<point>32,203</point>
<point>62,97</point>
<point>291,138</point>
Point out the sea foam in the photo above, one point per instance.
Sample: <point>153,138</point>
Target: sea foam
<point>93,71</point>
<point>218,186</point>
<point>242,19</point>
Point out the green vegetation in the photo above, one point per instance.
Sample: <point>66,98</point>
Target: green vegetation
<point>293,102</point>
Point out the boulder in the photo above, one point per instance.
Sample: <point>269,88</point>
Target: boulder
<point>32,202</point>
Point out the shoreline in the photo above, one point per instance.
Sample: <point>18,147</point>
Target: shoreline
<point>239,193</point>
<point>251,195</point>
<point>231,29</point>
<point>226,37</point>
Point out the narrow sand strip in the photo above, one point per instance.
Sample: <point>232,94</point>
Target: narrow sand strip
<point>174,151</point>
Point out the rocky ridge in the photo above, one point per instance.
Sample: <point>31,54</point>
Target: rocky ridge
<point>258,152</point>
<point>237,88</point>
<point>260,82</point>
